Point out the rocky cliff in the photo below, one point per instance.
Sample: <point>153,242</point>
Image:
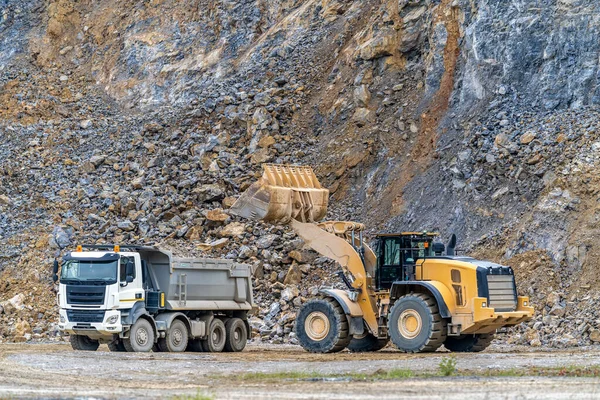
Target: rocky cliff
<point>127,121</point>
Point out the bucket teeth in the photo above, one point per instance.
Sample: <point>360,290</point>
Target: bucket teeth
<point>284,193</point>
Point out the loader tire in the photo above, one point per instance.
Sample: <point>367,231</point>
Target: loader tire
<point>322,326</point>
<point>176,338</point>
<point>366,344</point>
<point>116,345</point>
<point>415,324</point>
<point>469,343</point>
<point>237,335</point>
<point>141,337</point>
<point>80,342</point>
<point>216,337</point>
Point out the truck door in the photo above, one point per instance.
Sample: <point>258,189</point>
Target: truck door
<point>130,280</point>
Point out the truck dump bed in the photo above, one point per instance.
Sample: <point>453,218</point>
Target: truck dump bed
<point>200,283</point>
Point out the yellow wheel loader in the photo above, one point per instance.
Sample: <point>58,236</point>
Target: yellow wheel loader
<point>407,288</point>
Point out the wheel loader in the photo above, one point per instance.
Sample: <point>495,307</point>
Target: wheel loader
<point>407,288</point>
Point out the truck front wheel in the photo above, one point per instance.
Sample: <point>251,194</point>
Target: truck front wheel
<point>141,337</point>
<point>237,335</point>
<point>80,342</point>
<point>176,339</point>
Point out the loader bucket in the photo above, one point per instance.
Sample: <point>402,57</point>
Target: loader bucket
<point>282,194</point>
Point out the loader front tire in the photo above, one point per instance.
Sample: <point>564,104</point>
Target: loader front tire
<point>81,342</point>
<point>322,326</point>
<point>415,324</point>
<point>366,344</point>
<point>469,343</point>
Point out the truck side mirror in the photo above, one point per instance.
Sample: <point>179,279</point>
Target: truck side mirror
<point>55,270</point>
<point>129,278</point>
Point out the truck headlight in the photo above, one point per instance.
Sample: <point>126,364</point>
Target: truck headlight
<point>62,319</point>
<point>112,319</point>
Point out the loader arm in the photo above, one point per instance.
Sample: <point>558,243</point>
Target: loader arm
<point>338,249</point>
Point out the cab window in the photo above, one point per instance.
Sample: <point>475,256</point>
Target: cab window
<point>123,267</point>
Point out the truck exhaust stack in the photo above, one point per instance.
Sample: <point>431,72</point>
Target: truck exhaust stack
<point>282,194</point>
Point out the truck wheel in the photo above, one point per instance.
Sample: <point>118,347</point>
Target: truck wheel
<point>80,342</point>
<point>322,326</point>
<point>366,343</point>
<point>216,336</point>
<point>415,324</point>
<point>176,339</point>
<point>237,335</point>
<point>116,345</point>
<point>469,343</point>
<point>141,337</point>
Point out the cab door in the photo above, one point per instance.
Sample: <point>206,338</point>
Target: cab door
<point>130,280</point>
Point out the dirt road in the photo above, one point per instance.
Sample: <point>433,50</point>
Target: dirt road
<point>55,371</point>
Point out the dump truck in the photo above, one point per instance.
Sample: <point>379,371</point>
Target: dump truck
<point>407,288</point>
<point>140,298</point>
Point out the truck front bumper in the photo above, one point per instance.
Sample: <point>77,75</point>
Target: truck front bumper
<point>94,330</point>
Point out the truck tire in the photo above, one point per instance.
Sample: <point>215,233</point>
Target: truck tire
<point>415,324</point>
<point>322,326</point>
<point>216,337</point>
<point>366,344</point>
<point>176,338</point>
<point>80,342</point>
<point>237,335</point>
<point>116,346</point>
<point>141,337</point>
<point>469,343</point>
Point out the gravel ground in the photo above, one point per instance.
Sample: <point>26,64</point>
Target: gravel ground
<point>55,371</point>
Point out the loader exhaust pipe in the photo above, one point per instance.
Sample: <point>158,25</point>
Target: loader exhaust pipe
<point>450,248</point>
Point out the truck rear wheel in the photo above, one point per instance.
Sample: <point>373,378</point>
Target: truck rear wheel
<point>80,342</point>
<point>216,337</point>
<point>415,324</point>
<point>176,338</point>
<point>322,326</point>
<point>141,337</point>
<point>116,345</point>
<point>237,335</point>
<point>469,343</point>
<point>366,343</point>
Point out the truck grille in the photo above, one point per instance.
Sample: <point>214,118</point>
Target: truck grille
<point>85,315</point>
<point>502,292</point>
<point>85,294</point>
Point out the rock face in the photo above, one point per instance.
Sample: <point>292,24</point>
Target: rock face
<point>131,122</point>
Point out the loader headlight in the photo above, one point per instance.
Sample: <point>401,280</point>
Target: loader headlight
<point>483,305</point>
<point>112,319</point>
<point>524,304</point>
<point>62,319</point>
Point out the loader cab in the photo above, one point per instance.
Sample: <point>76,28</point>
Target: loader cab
<point>397,255</point>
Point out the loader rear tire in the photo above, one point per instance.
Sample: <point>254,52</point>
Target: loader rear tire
<point>415,324</point>
<point>469,343</point>
<point>366,344</point>
<point>116,345</point>
<point>176,338</point>
<point>80,342</point>
<point>141,337</point>
<point>237,335</point>
<point>322,326</point>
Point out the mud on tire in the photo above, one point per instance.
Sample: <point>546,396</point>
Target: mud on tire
<point>415,324</point>
<point>469,343</point>
<point>322,326</point>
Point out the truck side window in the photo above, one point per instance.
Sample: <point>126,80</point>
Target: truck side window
<point>123,267</point>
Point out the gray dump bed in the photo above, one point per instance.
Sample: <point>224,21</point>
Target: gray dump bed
<point>200,283</point>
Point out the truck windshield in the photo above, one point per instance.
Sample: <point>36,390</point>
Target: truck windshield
<point>89,271</point>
